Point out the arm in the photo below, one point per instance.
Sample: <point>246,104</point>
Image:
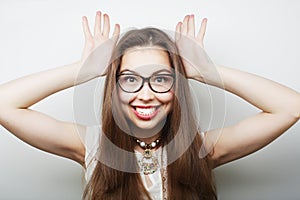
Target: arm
<point>280,109</point>
<point>35,128</point>
<point>279,105</point>
<point>40,130</point>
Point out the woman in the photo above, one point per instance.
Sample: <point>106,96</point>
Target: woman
<point>146,97</point>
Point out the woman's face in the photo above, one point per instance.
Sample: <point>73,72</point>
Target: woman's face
<point>145,108</point>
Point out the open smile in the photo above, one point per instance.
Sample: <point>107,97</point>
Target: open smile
<point>145,112</point>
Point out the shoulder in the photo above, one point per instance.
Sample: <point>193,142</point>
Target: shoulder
<point>91,142</point>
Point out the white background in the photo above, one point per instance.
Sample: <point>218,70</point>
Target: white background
<point>260,37</point>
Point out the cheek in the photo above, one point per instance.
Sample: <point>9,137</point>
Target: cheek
<point>166,97</point>
<point>125,98</point>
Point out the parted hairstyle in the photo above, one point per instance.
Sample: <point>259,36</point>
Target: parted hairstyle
<point>188,177</point>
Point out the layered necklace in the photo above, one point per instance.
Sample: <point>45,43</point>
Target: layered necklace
<point>149,162</point>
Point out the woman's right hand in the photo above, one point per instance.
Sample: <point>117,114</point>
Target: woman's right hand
<point>98,46</point>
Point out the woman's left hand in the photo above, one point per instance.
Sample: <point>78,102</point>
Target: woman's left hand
<point>191,49</point>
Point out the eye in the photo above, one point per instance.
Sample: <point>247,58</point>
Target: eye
<point>161,79</point>
<point>128,79</point>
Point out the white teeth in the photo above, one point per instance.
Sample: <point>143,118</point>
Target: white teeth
<point>145,111</point>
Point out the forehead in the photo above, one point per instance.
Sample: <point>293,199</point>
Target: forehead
<point>145,60</point>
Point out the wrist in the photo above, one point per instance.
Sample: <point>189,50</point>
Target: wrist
<point>83,72</point>
<point>211,76</point>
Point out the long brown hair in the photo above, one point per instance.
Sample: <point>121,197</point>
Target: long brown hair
<point>189,177</point>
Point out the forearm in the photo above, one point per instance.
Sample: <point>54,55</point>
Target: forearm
<point>28,90</point>
<point>267,95</point>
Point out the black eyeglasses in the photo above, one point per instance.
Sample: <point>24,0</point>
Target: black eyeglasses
<point>159,83</point>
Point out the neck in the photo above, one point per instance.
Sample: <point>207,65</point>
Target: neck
<point>146,135</point>
<point>148,140</point>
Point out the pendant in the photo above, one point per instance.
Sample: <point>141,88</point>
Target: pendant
<point>149,163</point>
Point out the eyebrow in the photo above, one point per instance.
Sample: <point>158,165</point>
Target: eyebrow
<point>156,72</point>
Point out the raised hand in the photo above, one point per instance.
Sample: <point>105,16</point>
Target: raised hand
<point>191,48</point>
<point>98,46</point>
<point>187,29</point>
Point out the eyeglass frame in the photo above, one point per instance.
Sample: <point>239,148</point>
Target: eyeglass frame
<point>144,79</point>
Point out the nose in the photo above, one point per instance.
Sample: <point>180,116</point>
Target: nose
<point>145,94</point>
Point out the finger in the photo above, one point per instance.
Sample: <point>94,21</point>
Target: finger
<point>106,26</point>
<point>185,25</point>
<point>178,31</point>
<point>97,27</point>
<point>201,33</point>
<point>86,28</point>
<point>191,26</point>
<point>116,33</point>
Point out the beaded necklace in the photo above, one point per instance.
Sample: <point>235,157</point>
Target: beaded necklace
<point>149,162</point>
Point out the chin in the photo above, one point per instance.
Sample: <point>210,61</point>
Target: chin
<point>146,128</point>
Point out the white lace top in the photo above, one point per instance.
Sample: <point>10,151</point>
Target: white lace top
<point>152,182</point>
